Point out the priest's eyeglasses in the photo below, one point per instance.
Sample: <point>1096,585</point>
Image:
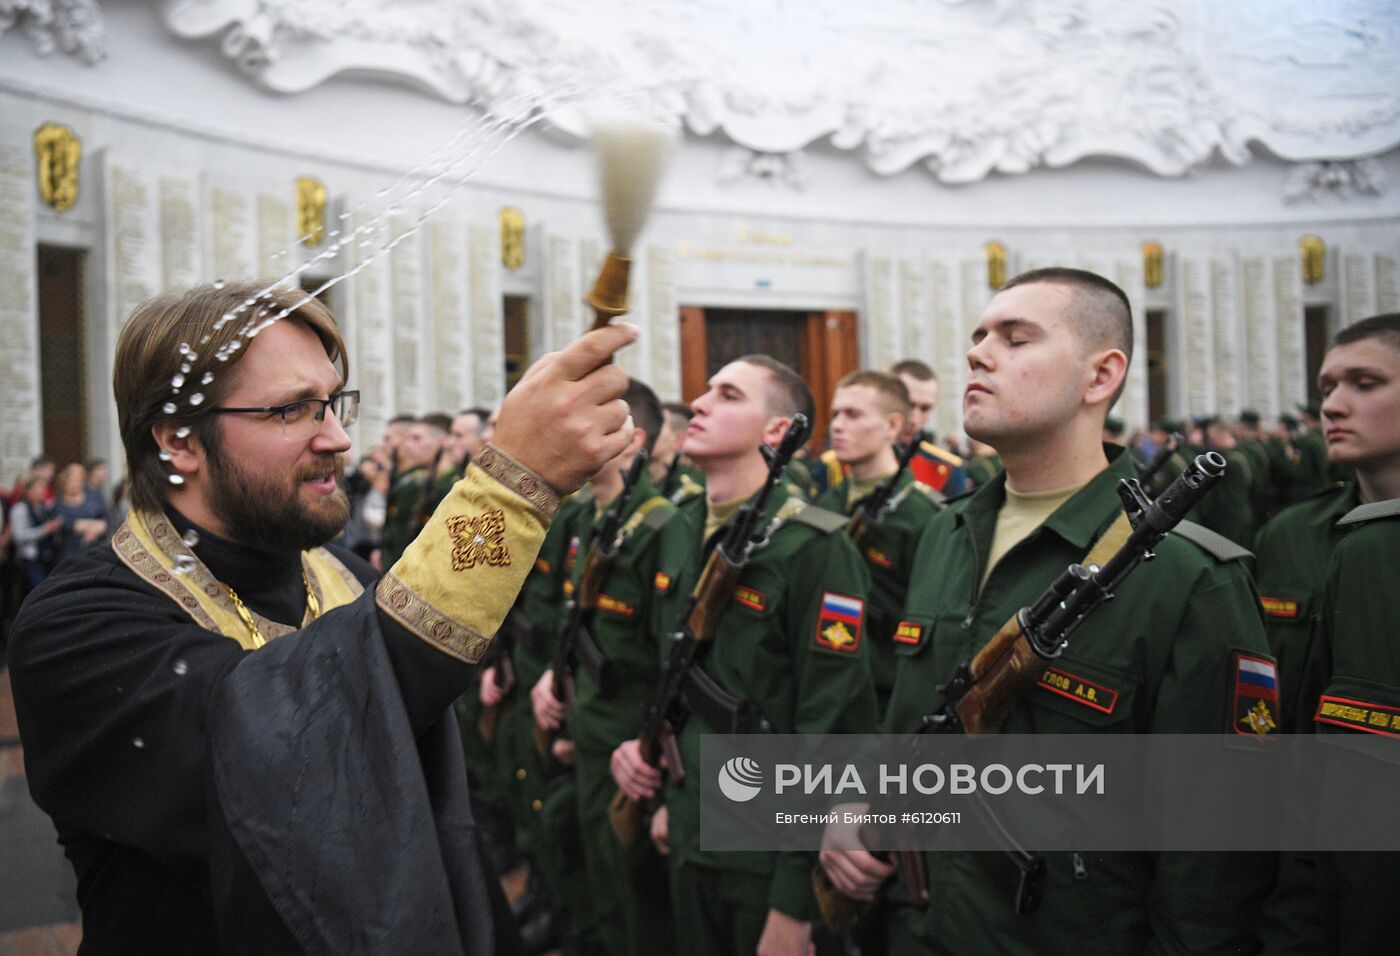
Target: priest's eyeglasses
<point>302,419</point>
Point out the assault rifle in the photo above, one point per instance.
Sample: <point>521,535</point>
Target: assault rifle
<point>576,645</point>
<point>983,690</point>
<point>681,685</point>
<point>514,629</point>
<point>1147,472</point>
<point>873,509</point>
<point>668,481</point>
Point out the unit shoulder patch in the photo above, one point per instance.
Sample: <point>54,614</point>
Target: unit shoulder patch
<point>1254,695</point>
<point>1216,545</point>
<point>662,582</point>
<point>840,623</point>
<point>1359,715</point>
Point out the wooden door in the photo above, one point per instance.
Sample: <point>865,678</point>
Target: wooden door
<point>820,346</point>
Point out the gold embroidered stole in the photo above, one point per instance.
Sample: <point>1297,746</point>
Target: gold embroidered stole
<point>151,547</point>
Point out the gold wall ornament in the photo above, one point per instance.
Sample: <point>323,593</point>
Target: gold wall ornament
<point>311,211</point>
<point>996,264</point>
<point>1152,256</point>
<point>1314,252</point>
<point>57,149</point>
<point>512,238</point>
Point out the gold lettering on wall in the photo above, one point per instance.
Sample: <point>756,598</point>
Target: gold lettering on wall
<point>57,150</point>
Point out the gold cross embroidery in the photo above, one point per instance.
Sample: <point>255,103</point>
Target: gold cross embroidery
<point>479,540</point>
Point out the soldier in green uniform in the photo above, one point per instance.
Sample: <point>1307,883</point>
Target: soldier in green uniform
<point>629,902</point>
<point>867,416</point>
<point>1227,510</point>
<point>792,643</point>
<point>1049,357</point>
<point>1326,573</point>
<point>416,455</point>
<point>1251,442</point>
<point>1310,472</point>
<point>984,464</point>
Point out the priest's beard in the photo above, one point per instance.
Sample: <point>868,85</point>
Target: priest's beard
<point>272,512</point>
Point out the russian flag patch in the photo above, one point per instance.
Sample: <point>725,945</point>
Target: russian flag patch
<point>840,623</point>
<point>1255,697</point>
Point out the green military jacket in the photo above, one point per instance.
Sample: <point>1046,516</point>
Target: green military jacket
<point>399,530</point>
<point>1345,902</point>
<point>1291,555</point>
<point>1310,473</point>
<point>543,595</point>
<point>779,648</point>
<point>889,556</point>
<point>621,626</point>
<point>982,469</point>
<point>1228,509</point>
<point>1261,488</point>
<point>1160,658</point>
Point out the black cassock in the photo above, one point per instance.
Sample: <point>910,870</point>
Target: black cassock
<point>309,796</point>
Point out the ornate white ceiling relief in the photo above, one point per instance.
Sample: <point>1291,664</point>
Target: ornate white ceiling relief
<point>1343,180</point>
<point>73,26</point>
<point>740,167</point>
<point>965,88</point>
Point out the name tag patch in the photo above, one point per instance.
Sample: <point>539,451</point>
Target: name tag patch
<point>908,633</point>
<point>1255,696</point>
<point>1081,690</point>
<point>879,558</point>
<point>839,624</point>
<point>1281,608</point>
<point>1358,715</point>
<point>606,602</point>
<point>751,598</point>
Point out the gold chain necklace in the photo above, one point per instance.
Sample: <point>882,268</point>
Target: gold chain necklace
<point>313,608</point>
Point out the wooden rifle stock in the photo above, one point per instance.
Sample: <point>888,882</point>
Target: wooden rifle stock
<point>984,690</point>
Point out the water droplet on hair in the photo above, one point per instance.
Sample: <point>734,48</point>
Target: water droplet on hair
<point>184,564</point>
<point>208,377</point>
<point>137,742</point>
<point>218,283</point>
<point>177,381</point>
<point>185,366</point>
<point>196,398</point>
<point>190,538</point>
<point>181,668</point>
<point>169,408</point>
<point>163,455</point>
<point>183,432</point>
<point>176,480</point>
<point>184,348</point>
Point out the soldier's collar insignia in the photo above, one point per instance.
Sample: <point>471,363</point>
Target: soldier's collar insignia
<point>1358,715</point>
<point>479,540</point>
<point>839,624</point>
<point>1255,698</point>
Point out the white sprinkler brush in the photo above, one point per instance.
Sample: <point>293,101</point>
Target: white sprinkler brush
<point>631,157</point>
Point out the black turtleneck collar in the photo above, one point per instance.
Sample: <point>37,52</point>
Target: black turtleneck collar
<point>267,582</point>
